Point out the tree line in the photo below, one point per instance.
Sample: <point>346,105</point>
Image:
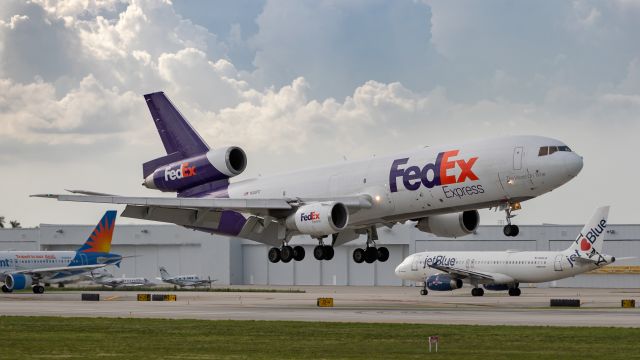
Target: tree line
<point>15,224</point>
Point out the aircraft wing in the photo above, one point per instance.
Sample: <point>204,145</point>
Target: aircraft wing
<point>462,273</point>
<point>252,206</point>
<point>61,270</point>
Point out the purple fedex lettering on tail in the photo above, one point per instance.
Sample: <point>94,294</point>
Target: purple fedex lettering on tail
<point>432,174</point>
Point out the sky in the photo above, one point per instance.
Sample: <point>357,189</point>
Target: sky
<point>305,83</point>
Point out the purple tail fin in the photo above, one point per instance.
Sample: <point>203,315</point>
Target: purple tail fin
<point>180,140</point>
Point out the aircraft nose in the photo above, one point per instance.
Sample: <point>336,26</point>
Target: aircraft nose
<point>574,165</point>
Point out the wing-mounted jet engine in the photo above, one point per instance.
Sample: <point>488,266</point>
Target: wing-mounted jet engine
<point>450,225</point>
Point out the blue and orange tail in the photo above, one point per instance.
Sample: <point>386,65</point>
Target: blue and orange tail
<point>180,140</point>
<point>100,239</point>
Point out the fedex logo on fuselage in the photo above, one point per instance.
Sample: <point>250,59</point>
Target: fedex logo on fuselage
<point>432,174</point>
<point>312,216</point>
<point>183,171</point>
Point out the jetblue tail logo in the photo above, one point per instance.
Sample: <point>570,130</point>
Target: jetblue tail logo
<point>432,174</point>
<point>100,238</point>
<point>587,240</point>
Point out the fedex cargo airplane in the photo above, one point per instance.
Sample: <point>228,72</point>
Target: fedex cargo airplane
<point>21,269</point>
<point>440,188</point>
<point>505,270</point>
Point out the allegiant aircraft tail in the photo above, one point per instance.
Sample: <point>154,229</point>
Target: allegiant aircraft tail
<point>180,140</point>
<point>100,239</point>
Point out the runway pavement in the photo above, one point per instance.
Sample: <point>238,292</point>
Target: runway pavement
<point>600,307</point>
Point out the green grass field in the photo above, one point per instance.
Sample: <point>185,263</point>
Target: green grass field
<point>85,338</point>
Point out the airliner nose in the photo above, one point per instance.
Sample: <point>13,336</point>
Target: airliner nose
<point>397,271</point>
<point>574,165</point>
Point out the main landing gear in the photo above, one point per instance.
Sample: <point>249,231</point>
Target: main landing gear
<point>323,252</point>
<point>38,289</point>
<point>286,253</point>
<point>477,291</point>
<point>371,253</point>
<point>514,292</point>
<point>5,289</point>
<point>509,229</point>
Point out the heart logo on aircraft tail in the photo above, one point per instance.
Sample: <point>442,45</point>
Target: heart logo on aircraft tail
<point>585,245</point>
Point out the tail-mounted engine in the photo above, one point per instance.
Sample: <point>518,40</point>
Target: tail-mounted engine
<point>186,173</point>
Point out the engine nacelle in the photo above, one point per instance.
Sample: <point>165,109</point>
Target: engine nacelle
<point>450,225</point>
<point>215,165</point>
<point>18,281</point>
<point>319,219</point>
<point>443,282</point>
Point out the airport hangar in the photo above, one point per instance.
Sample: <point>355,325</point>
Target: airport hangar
<point>239,261</point>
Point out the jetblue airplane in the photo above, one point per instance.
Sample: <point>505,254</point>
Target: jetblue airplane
<point>440,188</point>
<point>448,270</point>
<point>21,269</point>
<point>183,280</point>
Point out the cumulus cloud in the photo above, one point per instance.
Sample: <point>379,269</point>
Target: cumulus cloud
<point>329,79</point>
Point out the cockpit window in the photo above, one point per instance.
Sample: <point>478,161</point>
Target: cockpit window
<point>544,150</point>
<point>548,150</point>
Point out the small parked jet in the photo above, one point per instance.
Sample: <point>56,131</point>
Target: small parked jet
<point>447,270</point>
<point>439,187</point>
<point>22,269</point>
<point>122,281</point>
<point>183,280</point>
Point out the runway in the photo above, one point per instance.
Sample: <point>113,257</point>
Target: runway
<point>600,307</point>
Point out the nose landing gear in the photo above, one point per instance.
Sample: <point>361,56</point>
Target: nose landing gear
<point>509,229</point>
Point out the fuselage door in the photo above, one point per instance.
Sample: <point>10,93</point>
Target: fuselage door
<point>414,263</point>
<point>517,158</point>
<point>558,263</point>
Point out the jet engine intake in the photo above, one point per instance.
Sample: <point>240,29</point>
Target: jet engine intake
<point>443,282</point>
<point>18,281</point>
<point>450,225</point>
<point>319,219</point>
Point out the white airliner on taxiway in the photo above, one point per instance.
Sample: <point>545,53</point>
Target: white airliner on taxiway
<point>505,270</point>
<point>439,187</point>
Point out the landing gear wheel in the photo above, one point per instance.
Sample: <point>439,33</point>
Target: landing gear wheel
<point>318,252</point>
<point>5,289</point>
<point>286,254</point>
<point>514,292</point>
<point>370,254</point>
<point>298,253</point>
<point>38,289</point>
<point>511,230</point>
<point>477,292</point>
<point>424,292</point>
<point>328,252</point>
<point>274,255</point>
<point>358,255</point>
<point>383,254</point>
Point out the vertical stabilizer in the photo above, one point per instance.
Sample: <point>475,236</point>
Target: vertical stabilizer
<point>590,240</point>
<point>163,273</point>
<point>100,239</point>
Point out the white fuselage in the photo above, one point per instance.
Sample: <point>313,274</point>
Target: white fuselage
<point>506,267</point>
<point>117,282</point>
<point>184,280</point>
<point>473,175</point>
<point>12,261</point>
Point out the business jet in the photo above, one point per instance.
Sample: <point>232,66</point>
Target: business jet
<point>123,281</point>
<point>504,271</point>
<point>440,188</point>
<point>21,269</point>
<point>183,280</point>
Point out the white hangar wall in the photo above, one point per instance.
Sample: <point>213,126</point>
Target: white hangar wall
<point>237,261</point>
